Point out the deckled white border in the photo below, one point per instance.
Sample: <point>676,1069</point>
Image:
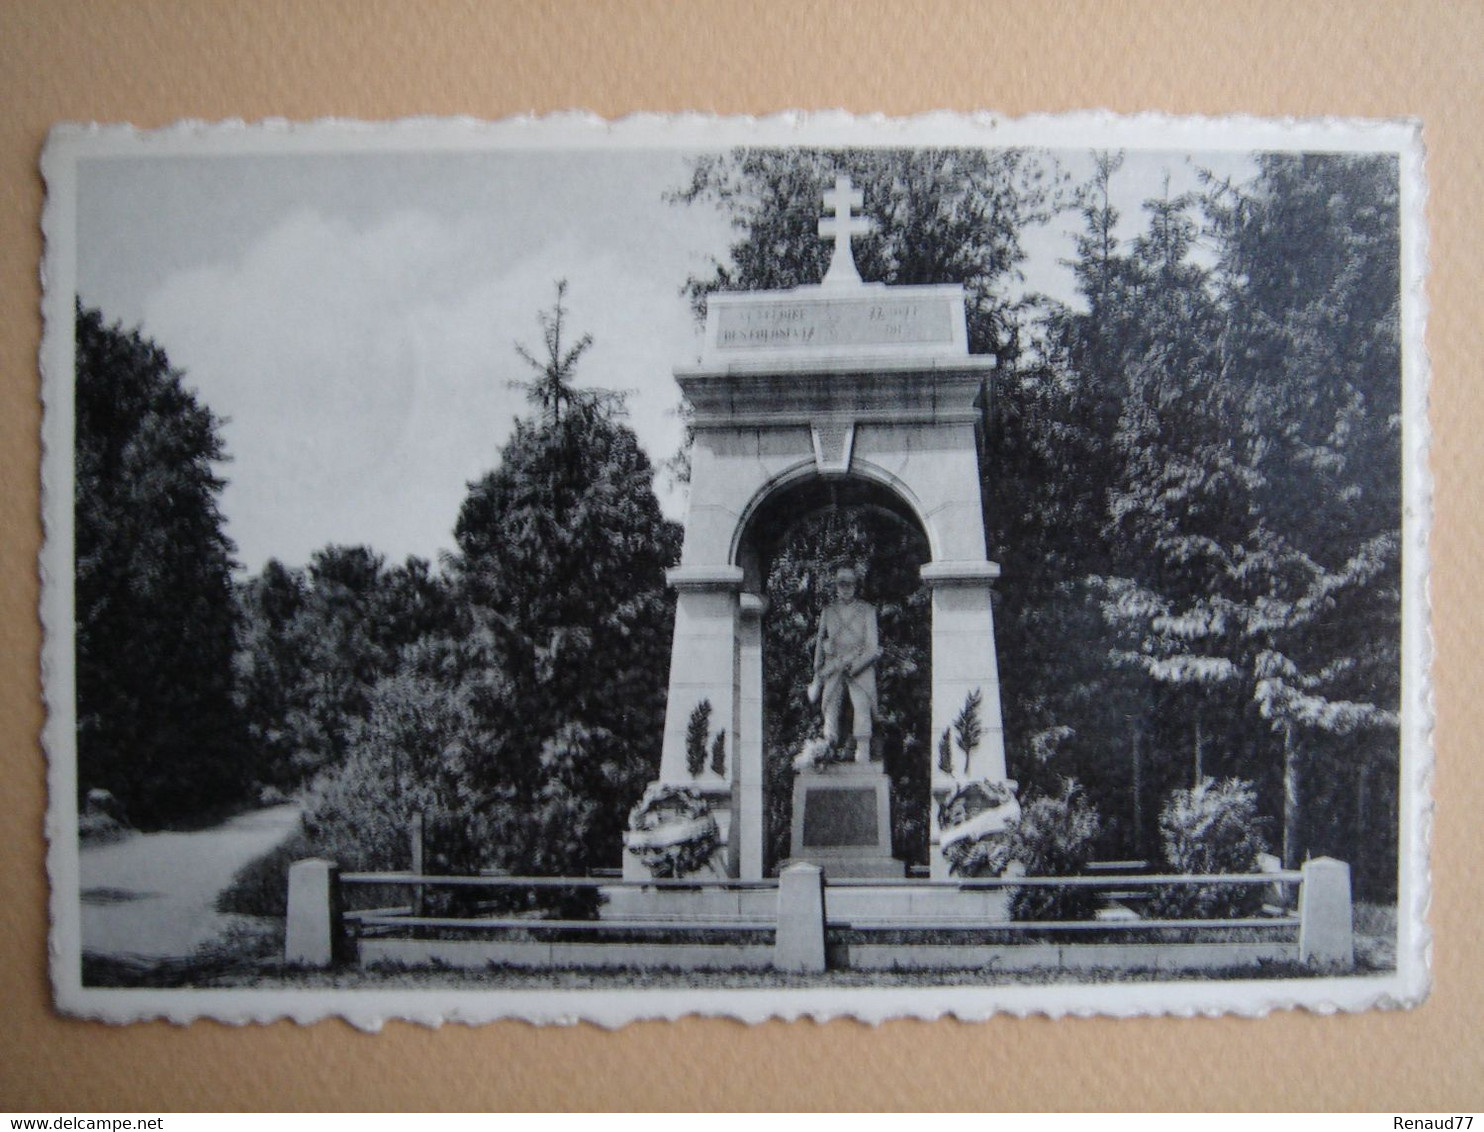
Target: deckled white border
<point>370,1008</point>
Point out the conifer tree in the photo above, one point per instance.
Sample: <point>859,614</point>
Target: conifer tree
<point>562,554</point>
<point>523,723</point>
<point>1313,247</point>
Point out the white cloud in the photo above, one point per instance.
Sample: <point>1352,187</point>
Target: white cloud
<point>365,372</point>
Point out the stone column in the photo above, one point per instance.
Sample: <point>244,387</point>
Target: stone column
<point>703,666</point>
<point>747,739</point>
<point>1326,929</point>
<point>312,926</point>
<point>964,661</point>
<point>799,945</point>
<point>702,662</point>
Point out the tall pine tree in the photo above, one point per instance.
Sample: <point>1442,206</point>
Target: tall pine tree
<point>562,553</point>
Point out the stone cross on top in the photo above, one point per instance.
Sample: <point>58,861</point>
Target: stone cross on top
<point>840,227</point>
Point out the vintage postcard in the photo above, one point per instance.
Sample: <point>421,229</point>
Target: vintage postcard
<point>815,566</point>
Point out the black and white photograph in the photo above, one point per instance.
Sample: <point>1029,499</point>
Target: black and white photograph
<point>564,569</point>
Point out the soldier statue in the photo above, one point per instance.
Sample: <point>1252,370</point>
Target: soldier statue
<point>845,655</point>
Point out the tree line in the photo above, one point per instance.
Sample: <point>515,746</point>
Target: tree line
<point>1191,479</point>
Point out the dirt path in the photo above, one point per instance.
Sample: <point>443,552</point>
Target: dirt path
<point>153,894</point>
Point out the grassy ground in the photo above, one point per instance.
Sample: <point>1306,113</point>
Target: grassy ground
<point>275,976</point>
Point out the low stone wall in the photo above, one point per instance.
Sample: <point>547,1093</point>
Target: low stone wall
<point>907,902</point>
<point>1054,957</point>
<point>477,953</point>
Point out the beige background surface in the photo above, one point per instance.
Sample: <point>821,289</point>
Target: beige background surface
<point>155,62</point>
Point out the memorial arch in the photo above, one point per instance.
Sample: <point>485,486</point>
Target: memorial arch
<point>802,490</point>
<point>845,389</point>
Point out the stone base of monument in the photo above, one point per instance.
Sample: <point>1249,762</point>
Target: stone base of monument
<point>842,822</point>
<point>702,904</point>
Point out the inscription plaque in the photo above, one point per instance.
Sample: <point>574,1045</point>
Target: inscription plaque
<point>836,817</point>
<point>804,324</point>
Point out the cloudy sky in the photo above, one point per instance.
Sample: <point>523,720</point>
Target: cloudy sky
<point>354,315</point>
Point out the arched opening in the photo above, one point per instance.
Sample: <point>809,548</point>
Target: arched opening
<point>790,546</point>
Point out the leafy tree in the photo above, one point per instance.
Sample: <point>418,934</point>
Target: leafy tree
<point>157,725</point>
<point>1054,837</point>
<point>271,668</point>
<point>315,643</point>
<point>344,651</point>
<point>413,753</point>
<point>1214,827</point>
<point>1250,512</point>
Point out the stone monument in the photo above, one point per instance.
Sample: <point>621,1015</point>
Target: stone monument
<point>850,392</point>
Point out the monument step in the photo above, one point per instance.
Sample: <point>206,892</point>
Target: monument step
<point>839,865</point>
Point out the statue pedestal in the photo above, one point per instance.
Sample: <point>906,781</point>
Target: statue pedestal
<point>842,822</point>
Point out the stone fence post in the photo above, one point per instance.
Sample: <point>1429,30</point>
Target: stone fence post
<point>418,843</point>
<point>799,945</point>
<point>313,925</point>
<point>1325,926</point>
